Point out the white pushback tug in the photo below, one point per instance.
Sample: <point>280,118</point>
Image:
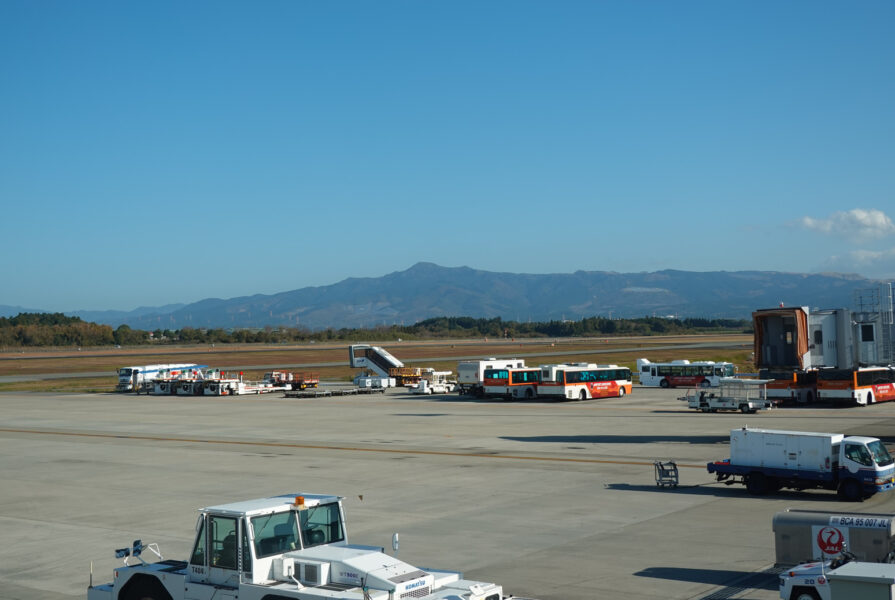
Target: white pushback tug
<point>285,547</point>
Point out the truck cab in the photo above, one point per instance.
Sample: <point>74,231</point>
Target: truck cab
<point>865,460</point>
<point>292,546</point>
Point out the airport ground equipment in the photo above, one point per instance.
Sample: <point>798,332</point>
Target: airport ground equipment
<point>282,548</point>
<point>744,395</point>
<point>766,460</point>
<point>287,380</point>
<point>471,373</point>
<point>812,535</point>
<point>374,381</point>
<point>842,578</point>
<point>795,344</point>
<point>382,363</point>
<point>434,382</point>
<point>666,474</point>
<point>809,581</point>
<point>138,378</point>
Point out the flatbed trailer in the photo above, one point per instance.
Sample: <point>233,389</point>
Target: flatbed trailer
<point>744,395</point>
<point>318,393</point>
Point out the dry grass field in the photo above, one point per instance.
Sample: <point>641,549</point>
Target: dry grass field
<point>77,370</point>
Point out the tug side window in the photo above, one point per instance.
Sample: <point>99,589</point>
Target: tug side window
<point>198,556</point>
<point>223,542</point>
<point>321,525</point>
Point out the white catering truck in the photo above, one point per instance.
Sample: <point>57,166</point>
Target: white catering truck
<point>767,460</point>
<point>471,373</point>
<point>281,548</point>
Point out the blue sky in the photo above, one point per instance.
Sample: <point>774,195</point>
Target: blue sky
<point>163,152</point>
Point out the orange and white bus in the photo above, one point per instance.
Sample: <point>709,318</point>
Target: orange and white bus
<point>511,383</point>
<point>584,380</point>
<point>864,386</point>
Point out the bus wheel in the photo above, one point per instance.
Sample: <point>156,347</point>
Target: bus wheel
<point>869,398</point>
<point>705,383</point>
<point>582,395</point>
<point>621,392</point>
<point>529,394</point>
<point>663,383</point>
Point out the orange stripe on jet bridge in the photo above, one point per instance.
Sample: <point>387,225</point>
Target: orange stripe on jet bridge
<point>152,438</point>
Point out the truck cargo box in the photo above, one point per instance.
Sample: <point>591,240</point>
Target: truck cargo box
<point>807,535</point>
<point>797,450</point>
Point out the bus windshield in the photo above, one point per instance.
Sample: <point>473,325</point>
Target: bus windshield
<point>880,454</point>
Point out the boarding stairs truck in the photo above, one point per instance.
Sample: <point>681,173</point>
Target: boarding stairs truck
<point>766,460</point>
<point>471,373</point>
<point>744,395</point>
<point>281,548</point>
<point>382,363</point>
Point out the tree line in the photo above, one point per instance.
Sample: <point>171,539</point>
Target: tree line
<point>57,329</point>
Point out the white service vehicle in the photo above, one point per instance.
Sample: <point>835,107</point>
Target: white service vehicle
<point>140,377</point>
<point>285,547</point>
<point>808,581</point>
<point>434,382</point>
<point>471,373</point>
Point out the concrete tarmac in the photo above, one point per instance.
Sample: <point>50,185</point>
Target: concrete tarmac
<point>554,500</point>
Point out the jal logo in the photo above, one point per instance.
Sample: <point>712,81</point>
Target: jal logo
<point>830,540</point>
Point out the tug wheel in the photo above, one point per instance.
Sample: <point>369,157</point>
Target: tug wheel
<point>804,594</point>
<point>145,587</point>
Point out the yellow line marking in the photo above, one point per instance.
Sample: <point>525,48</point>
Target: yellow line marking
<point>343,448</point>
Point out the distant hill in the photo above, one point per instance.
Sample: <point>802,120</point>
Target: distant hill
<point>428,290</point>
<point>117,317</point>
<point>11,311</point>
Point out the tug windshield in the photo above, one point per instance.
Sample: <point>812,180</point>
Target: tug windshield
<point>880,454</point>
<point>275,533</point>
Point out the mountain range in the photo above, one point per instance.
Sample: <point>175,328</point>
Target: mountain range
<point>427,290</point>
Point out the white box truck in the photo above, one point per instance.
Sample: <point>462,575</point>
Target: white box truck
<point>471,373</point>
<point>767,460</point>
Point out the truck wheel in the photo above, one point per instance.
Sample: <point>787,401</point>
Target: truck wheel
<point>804,594</point>
<point>145,587</point>
<point>756,484</point>
<point>850,491</point>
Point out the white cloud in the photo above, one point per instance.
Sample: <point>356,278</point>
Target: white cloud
<point>857,223</point>
<point>878,264</point>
